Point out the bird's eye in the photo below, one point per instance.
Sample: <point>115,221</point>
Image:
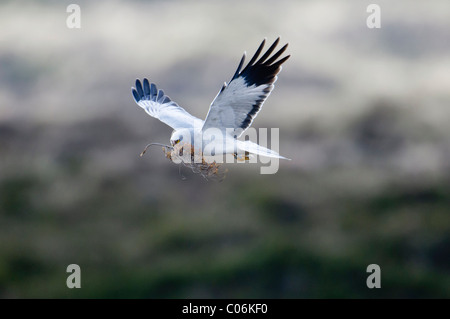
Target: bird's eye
<point>177,141</point>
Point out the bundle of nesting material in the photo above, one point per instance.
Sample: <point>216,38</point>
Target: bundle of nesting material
<point>186,155</point>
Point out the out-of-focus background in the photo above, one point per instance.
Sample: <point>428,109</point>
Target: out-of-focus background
<point>363,113</point>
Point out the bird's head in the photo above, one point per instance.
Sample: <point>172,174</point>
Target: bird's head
<point>176,138</point>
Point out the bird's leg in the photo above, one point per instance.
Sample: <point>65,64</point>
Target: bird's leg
<point>241,158</point>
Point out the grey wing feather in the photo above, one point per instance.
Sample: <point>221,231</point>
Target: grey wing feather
<point>239,101</point>
<point>160,106</point>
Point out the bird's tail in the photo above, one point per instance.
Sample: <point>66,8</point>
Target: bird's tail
<point>249,146</point>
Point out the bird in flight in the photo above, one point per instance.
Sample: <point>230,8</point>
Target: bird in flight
<point>231,112</point>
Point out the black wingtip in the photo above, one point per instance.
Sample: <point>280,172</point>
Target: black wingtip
<point>280,62</point>
<point>139,88</point>
<point>269,51</point>
<point>275,56</point>
<point>135,95</point>
<point>149,92</point>
<point>236,74</point>
<point>146,87</point>
<point>257,53</point>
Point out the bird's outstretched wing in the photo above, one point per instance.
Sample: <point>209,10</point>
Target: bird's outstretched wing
<point>160,106</point>
<point>239,101</point>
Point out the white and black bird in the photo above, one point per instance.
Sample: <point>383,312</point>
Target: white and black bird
<point>232,111</point>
